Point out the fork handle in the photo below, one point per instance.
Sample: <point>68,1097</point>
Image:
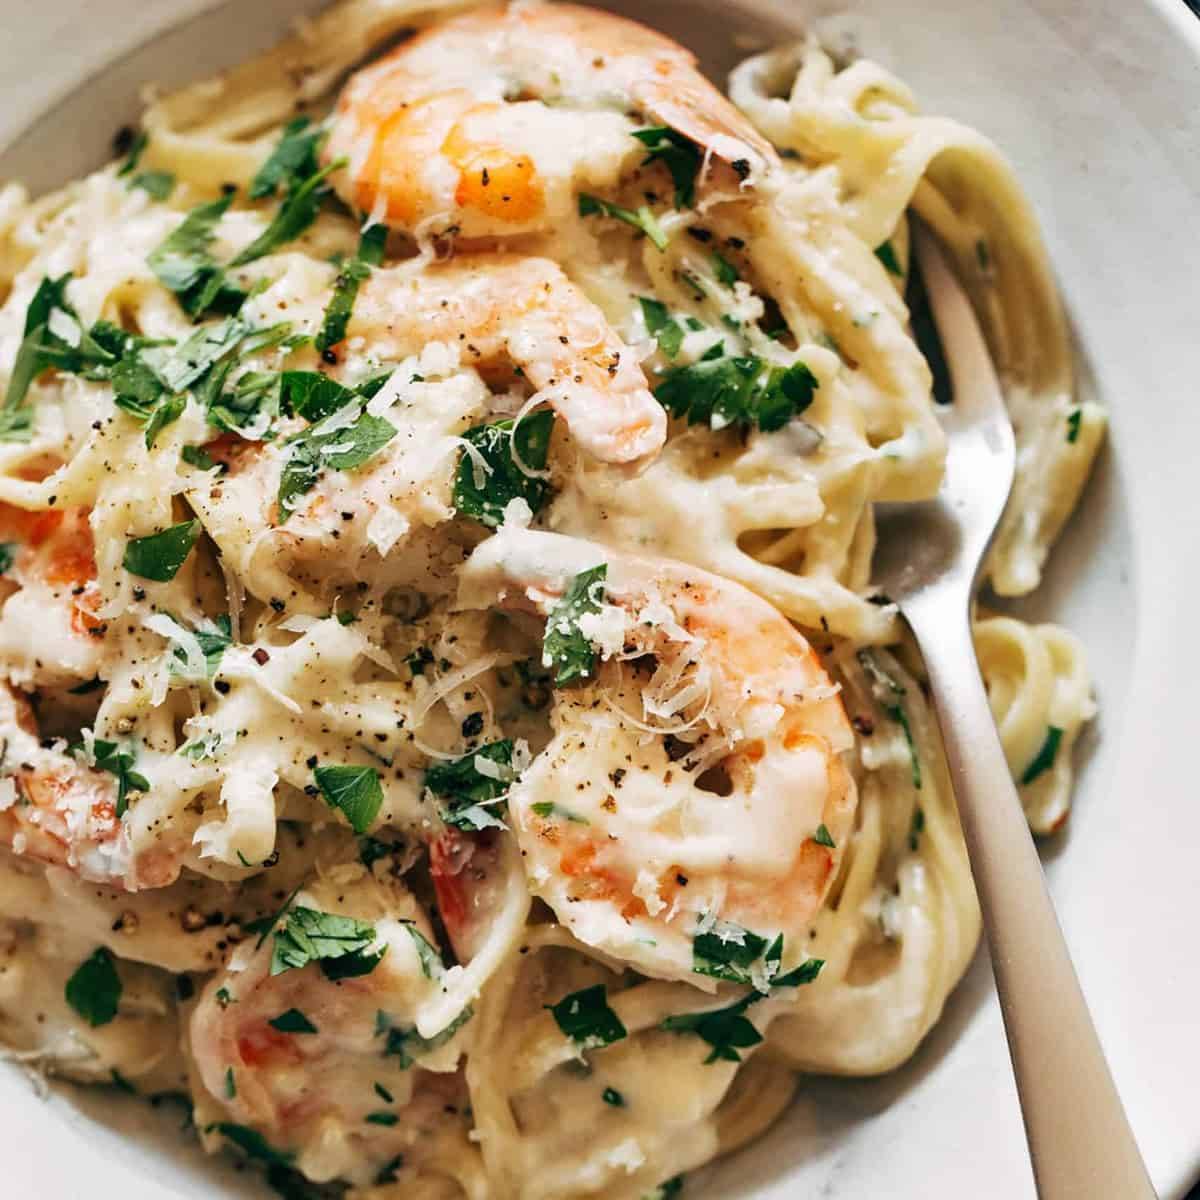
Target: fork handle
<point>1079,1138</point>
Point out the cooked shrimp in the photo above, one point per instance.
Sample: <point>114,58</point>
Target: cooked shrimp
<point>695,780</point>
<point>493,121</point>
<point>505,311</point>
<point>50,634</point>
<point>59,811</point>
<point>308,1060</point>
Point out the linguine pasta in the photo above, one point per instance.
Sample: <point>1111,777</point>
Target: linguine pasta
<point>447,728</point>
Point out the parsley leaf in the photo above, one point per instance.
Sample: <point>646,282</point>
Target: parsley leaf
<point>642,219</point>
<point>1044,759</point>
<point>564,646</point>
<point>661,326</point>
<point>311,395</point>
<point>298,211</point>
<point>504,481</point>
<point>292,1021</point>
<point>339,944</point>
<point>586,1018</point>
<point>724,270</point>
<point>726,1030</point>
<point>7,557</point>
<point>159,556</point>
<point>467,790</point>
<point>330,443</point>
<point>371,244</point>
<point>354,790</point>
<point>38,350</point>
<point>184,265</point>
<point>549,808</point>
<point>824,838</point>
<point>1074,417</point>
<point>678,154</point>
<point>110,757</point>
<point>157,184</point>
<point>886,253</point>
<point>293,159</point>
<point>251,1142</point>
<point>744,391</point>
<point>727,951</point>
<point>430,957</point>
<point>134,155</point>
<point>613,1097</point>
<point>197,456</point>
<point>213,640</point>
<point>180,367</point>
<point>94,989</point>
<point>407,1044</point>
<point>889,695</point>
<point>806,972</point>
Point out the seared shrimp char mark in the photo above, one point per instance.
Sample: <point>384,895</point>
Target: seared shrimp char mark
<point>738,812</point>
<point>492,121</point>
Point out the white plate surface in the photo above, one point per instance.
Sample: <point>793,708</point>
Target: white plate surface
<point>1097,105</point>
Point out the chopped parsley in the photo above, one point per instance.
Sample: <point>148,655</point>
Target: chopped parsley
<point>356,791</point>
<point>484,490</point>
<point>678,154</point>
<point>134,154</point>
<point>1074,417</point>
<point>889,695</point>
<point>382,1118</point>
<point>158,185</point>
<point>331,443</point>
<point>39,349</point>
<point>297,212</point>
<point>384,1094</point>
<point>469,792</point>
<point>293,159</point>
<point>213,640</point>
<point>371,244</point>
<point>586,1018</point>
<point>250,1142</point>
<point>726,1030</point>
<point>642,219</point>
<point>548,808</point>
<point>886,253</point>
<point>430,957</point>
<point>311,395</point>
<point>724,270</point>
<point>341,945</point>
<point>565,648</point>
<point>720,391</point>
<point>613,1097</point>
<point>160,555</point>
<point>184,265</point>
<point>661,326</point>
<point>823,837</point>
<point>729,952</point>
<point>1044,759</point>
<point>292,1021</point>
<point>230,1084</point>
<point>112,758</point>
<point>94,989</point>
<point>916,829</point>
<point>406,1044</point>
<point>8,554</point>
<point>667,1190</point>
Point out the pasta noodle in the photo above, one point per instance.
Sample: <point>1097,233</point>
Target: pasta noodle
<point>448,730</point>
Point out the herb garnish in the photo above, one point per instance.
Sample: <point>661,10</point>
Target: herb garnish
<point>110,757</point>
<point>823,837</point>
<point>160,555</point>
<point>565,648</point>
<point>886,253</point>
<point>468,791</point>
<point>613,1097</point>
<point>549,808</point>
<point>405,1043</point>
<point>158,185</point>
<point>293,159</point>
<point>1044,759</point>
<point>341,945</point>
<point>889,695</point>
<point>7,557</point>
<point>371,244</point>
<point>329,444</point>
<point>743,391</point>
<point>1074,417</point>
<point>642,219</point>
<point>483,493</point>
<point>251,1143</point>
<point>586,1018</point>
<point>355,790</point>
<point>724,270</point>
<point>185,266</point>
<point>214,640</point>
<point>292,1021</point>
<point>678,154</point>
<point>297,212</point>
<point>661,326</point>
<point>726,1030</point>
<point>94,989</point>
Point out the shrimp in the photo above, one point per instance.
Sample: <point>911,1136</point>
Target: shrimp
<point>49,632</point>
<point>61,812</point>
<point>496,316</point>
<point>729,814</point>
<point>493,121</point>
<point>331,1069</point>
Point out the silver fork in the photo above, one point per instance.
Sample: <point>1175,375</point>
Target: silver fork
<point>928,560</point>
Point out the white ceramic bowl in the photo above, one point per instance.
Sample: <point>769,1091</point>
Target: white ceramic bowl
<point>1097,105</point>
